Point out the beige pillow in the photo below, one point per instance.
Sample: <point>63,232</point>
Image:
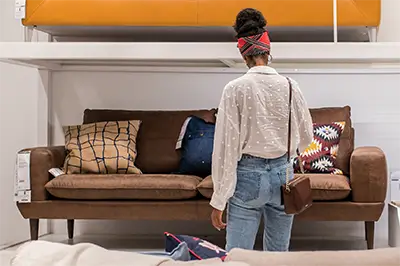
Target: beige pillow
<point>101,148</point>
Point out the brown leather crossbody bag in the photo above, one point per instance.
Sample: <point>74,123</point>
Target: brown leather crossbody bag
<point>296,193</point>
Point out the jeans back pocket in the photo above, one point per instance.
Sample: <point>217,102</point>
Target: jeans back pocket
<point>248,185</point>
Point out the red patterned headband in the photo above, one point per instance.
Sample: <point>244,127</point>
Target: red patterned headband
<point>253,45</point>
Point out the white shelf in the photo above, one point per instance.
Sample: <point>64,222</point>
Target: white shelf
<point>79,55</point>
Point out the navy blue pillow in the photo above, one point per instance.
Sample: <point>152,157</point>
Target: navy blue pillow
<point>197,148</point>
<point>199,249</point>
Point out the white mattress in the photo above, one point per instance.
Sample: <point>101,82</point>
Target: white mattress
<point>5,257</point>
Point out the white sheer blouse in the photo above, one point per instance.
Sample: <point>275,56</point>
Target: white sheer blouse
<point>253,119</point>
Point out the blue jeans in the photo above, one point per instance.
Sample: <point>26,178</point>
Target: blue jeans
<point>258,193</point>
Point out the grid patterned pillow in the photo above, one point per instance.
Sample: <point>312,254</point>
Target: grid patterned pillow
<point>101,148</point>
<point>320,155</point>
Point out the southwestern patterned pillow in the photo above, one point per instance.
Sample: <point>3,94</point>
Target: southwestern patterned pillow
<point>101,148</point>
<point>320,155</point>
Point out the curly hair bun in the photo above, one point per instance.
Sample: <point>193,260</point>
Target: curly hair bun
<point>249,22</point>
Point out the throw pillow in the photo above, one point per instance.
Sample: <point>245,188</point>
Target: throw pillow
<point>199,249</point>
<point>101,148</point>
<point>197,147</point>
<point>320,155</point>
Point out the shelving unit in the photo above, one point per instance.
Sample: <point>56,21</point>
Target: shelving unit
<point>314,58</point>
<point>187,56</point>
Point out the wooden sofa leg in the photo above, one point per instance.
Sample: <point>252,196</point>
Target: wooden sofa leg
<point>370,233</point>
<point>366,231</point>
<point>34,225</point>
<point>70,228</point>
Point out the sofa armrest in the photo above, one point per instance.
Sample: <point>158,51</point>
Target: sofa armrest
<point>368,175</point>
<point>42,160</point>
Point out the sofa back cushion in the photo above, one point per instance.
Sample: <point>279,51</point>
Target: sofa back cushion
<point>157,135</point>
<point>346,144</point>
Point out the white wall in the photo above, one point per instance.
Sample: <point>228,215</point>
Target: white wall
<point>374,99</point>
<point>21,95</point>
<point>389,30</point>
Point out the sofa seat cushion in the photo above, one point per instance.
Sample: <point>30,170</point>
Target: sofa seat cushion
<point>324,187</point>
<point>123,187</point>
<point>329,187</point>
<point>206,187</point>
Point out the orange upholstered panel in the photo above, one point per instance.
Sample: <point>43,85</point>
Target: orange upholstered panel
<point>198,12</point>
<point>293,12</point>
<point>111,12</point>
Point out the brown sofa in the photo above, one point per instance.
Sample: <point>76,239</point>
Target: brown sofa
<point>160,195</point>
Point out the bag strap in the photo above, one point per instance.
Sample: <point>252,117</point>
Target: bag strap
<point>289,144</point>
<point>290,138</point>
<point>289,134</point>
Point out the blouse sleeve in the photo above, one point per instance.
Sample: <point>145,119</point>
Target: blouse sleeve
<point>303,117</point>
<point>226,150</point>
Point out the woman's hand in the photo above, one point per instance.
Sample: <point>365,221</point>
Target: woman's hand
<point>216,219</point>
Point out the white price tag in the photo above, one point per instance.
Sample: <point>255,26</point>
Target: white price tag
<point>22,177</point>
<point>20,12</point>
<point>23,196</point>
<point>20,2</point>
<point>395,186</point>
<point>20,9</point>
<point>22,185</point>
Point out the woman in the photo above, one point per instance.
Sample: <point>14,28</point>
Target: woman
<point>249,160</point>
